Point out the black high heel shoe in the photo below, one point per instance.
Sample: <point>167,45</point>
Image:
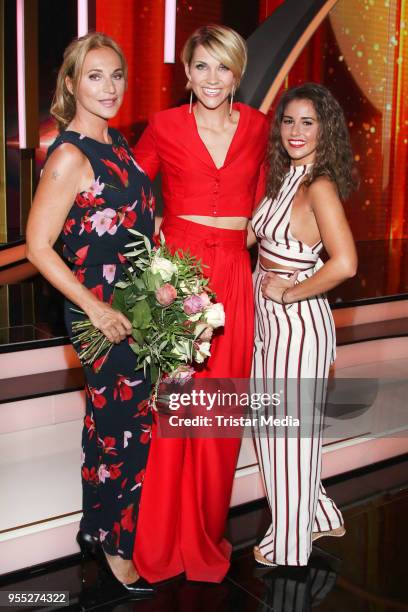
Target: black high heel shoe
<point>88,544</point>
<point>140,589</point>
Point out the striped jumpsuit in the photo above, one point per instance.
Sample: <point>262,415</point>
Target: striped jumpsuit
<point>294,348</point>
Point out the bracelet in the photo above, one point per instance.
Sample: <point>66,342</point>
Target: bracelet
<point>283,295</point>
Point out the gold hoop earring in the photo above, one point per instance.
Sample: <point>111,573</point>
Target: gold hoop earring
<point>190,110</point>
<point>231,100</point>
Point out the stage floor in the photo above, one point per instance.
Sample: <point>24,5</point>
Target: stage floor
<point>365,570</point>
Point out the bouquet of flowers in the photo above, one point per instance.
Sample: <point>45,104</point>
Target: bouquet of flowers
<point>171,308</point>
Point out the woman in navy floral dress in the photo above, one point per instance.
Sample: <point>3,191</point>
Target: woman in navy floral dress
<point>91,192</point>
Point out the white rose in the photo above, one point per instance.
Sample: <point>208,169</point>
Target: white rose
<point>214,315</point>
<point>164,267</point>
<point>202,352</point>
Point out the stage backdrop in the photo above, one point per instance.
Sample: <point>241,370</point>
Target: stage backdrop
<point>359,51</point>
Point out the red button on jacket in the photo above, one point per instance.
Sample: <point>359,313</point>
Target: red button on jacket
<point>171,144</point>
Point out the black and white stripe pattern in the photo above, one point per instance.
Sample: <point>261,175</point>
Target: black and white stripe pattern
<point>294,347</point>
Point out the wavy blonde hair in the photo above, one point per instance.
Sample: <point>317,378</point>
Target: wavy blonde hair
<point>223,43</point>
<point>63,106</point>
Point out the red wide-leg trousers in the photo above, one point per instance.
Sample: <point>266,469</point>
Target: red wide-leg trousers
<point>187,488</point>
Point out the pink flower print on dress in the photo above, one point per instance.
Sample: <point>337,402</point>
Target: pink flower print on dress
<point>96,188</point>
<point>126,436</point>
<point>102,221</point>
<point>108,272</point>
<point>103,473</point>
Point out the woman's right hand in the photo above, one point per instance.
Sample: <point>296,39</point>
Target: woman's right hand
<point>112,323</point>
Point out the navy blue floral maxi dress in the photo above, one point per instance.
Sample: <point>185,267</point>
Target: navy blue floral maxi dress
<point>117,422</point>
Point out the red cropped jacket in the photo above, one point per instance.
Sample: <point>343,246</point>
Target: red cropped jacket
<point>191,183</point>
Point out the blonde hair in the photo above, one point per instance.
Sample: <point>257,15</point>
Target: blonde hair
<point>63,106</point>
<point>223,43</point>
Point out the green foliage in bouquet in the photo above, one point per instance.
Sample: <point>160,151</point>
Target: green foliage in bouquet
<point>167,299</point>
<point>160,332</point>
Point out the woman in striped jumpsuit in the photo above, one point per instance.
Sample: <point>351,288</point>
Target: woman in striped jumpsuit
<point>310,173</point>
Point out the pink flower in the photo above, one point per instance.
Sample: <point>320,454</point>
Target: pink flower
<point>166,294</point>
<point>193,304</point>
<point>102,221</point>
<point>205,299</point>
<point>96,188</point>
<point>108,272</point>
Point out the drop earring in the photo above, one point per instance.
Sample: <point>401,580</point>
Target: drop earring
<point>190,110</point>
<point>231,99</point>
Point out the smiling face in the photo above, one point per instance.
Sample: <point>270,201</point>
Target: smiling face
<point>300,131</point>
<point>210,80</point>
<point>101,86</point>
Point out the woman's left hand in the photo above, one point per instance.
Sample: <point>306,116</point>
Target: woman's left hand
<point>273,285</point>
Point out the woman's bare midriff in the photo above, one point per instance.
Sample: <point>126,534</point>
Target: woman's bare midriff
<point>232,223</point>
<point>266,263</point>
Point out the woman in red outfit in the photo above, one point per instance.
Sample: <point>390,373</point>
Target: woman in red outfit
<point>210,155</point>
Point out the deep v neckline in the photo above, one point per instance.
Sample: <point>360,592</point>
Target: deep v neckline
<point>204,147</point>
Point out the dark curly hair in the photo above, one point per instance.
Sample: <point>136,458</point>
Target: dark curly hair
<point>334,157</point>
